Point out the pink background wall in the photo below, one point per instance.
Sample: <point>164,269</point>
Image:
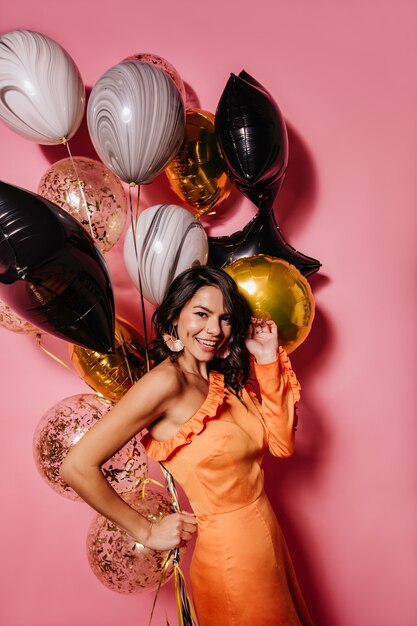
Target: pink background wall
<point>344,76</point>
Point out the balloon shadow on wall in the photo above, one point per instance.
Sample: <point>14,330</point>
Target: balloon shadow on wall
<point>80,144</point>
<point>298,193</point>
<point>159,192</point>
<point>296,197</point>
<point>304,471</point>
<point>234,204</point>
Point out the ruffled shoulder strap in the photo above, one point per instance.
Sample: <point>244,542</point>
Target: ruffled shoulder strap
<point>162,450</point>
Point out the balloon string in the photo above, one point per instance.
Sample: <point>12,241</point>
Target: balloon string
<point>141,482</point>
<point>134,222</point>
<point>160,583</point>
<point>172,490</point>
<point>185,610</point>
<point>92,234</point>
<point>66,143</point>
<point>38,337</point>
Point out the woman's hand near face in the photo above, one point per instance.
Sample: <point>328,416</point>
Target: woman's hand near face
<point>262,340</point>
<point>171,531</point>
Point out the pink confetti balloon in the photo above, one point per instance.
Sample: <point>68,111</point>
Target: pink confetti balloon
<point>11,321</point>
<point>60,429</point>
<point>101,191</point>
<point>121,563</point>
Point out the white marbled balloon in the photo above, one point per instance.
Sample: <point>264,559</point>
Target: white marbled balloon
<point>136,120</point>
<point>163,64</point>
<point>42,96</point>
<point>169,240</point>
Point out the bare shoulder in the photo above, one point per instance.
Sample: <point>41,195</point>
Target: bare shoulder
<point>159,387</point>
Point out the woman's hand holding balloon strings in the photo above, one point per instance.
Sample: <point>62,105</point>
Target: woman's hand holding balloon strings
<point>171,531</point>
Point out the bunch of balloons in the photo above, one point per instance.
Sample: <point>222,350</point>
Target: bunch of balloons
<point>53,274</point>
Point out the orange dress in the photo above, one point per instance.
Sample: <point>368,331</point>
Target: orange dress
<point>241,573</point>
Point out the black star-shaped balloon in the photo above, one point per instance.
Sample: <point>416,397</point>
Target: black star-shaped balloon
<point>260,236</point>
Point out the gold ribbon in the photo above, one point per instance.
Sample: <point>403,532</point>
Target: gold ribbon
<point>142,481</point>
<point>38,338</point>
<point>186,615</point>
<point>161,582</point>
<point>185,611</point>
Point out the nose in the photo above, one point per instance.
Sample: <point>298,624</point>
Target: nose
<point>213,327</point>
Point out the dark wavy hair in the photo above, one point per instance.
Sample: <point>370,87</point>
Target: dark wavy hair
<point>235,367</point>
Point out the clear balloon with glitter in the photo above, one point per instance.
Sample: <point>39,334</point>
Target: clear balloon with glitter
<point>121,563</point>
<point>88,191</point>
<point>63,426</point>
<point>11,321</point>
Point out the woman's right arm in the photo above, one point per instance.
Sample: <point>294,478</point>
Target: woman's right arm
<point>147,400</point>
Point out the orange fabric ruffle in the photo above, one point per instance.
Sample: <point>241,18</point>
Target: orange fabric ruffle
<point>292,378</point>
<point>268,370</point>
<point>162,450</point>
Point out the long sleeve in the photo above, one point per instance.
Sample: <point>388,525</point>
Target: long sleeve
<point>280,391</point>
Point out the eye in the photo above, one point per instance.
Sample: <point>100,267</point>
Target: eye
<point>201,313</point>
<point>226,318</point>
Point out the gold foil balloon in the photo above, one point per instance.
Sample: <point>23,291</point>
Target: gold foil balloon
<point>121,563</point>
<point>197,173</point>
<point>112,374</point>
<point>276,290</point>
<point>100,188</point>
<point>11,321</point>
<point>60,429</point>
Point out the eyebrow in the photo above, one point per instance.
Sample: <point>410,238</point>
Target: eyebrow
<point>200,306</point>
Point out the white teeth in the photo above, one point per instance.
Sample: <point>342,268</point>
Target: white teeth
<point>207,342</point>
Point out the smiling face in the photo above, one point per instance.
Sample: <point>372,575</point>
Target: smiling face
<point>203,324</point>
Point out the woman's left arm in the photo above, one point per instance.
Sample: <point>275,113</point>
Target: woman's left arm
<point>278,385</point>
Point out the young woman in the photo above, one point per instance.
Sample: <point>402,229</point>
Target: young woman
<point>210,432</point>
